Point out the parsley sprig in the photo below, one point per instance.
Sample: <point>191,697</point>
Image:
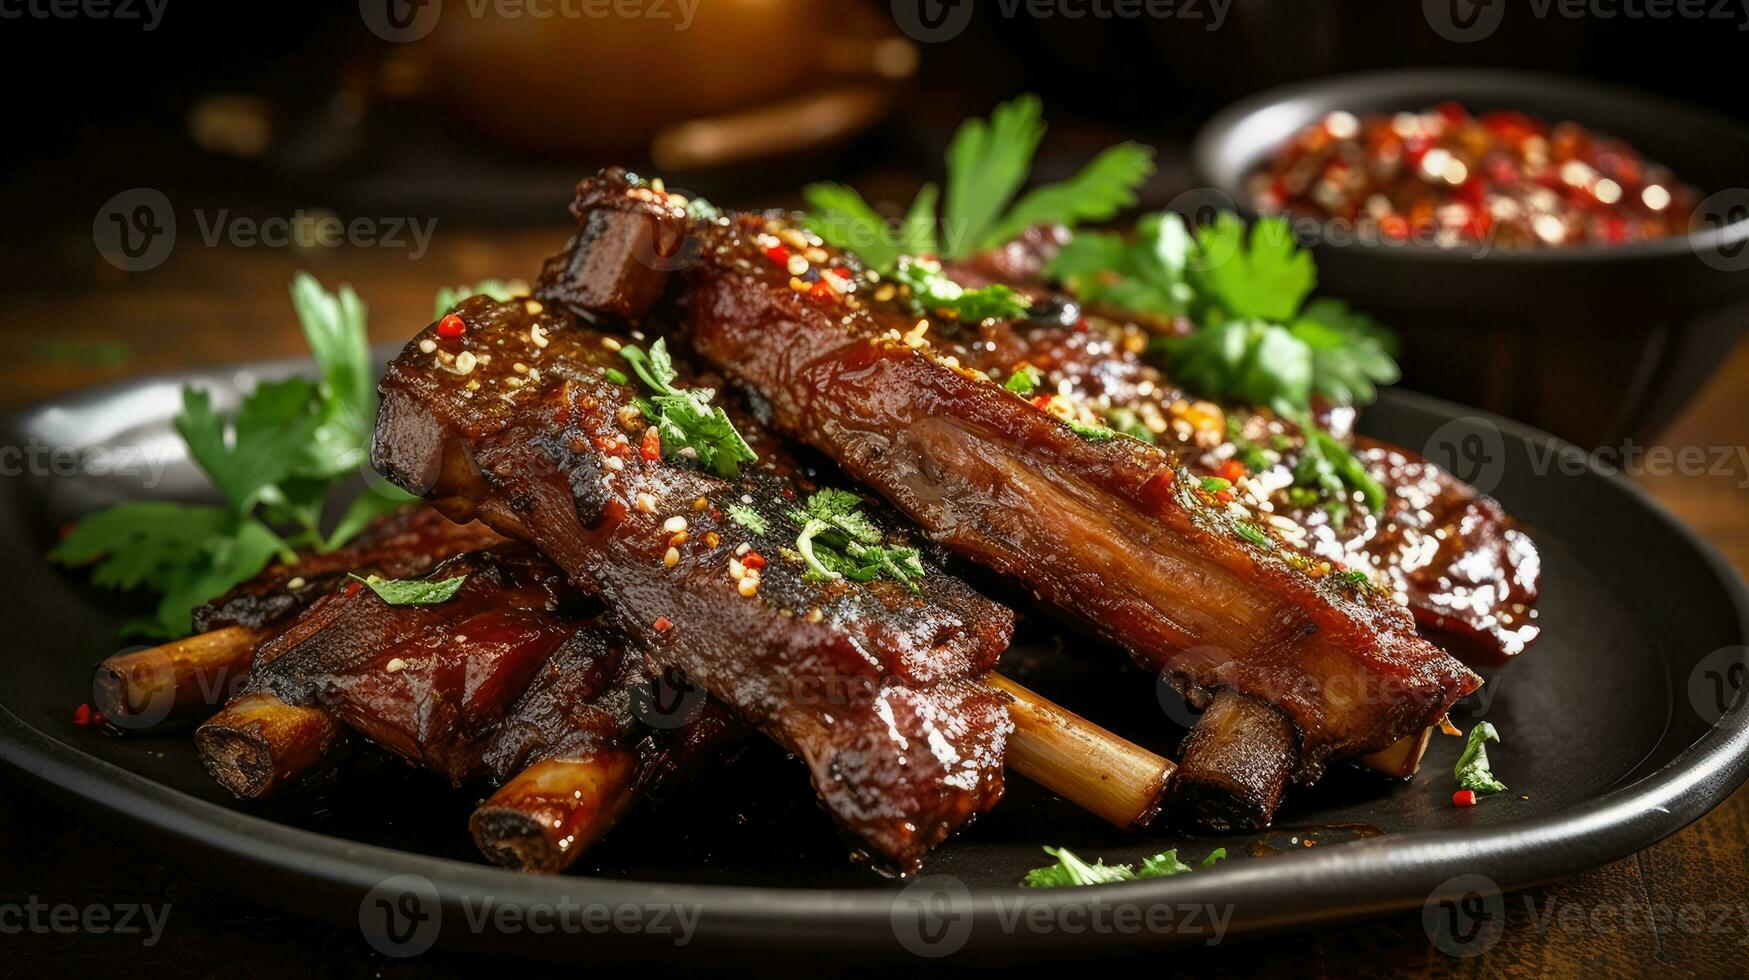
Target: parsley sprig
<point>931,291</point>
<point>685,419</point>
<point>275,462</point>
<point>988,162</point>
<point>1070,870</point>
<point>837,540</point>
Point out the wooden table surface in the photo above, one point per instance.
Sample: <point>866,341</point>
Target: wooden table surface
<point>208,305</point>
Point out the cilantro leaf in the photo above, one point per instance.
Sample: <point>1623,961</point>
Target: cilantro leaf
<point>136,543</point>
<point>1149,275</point>
<point>844,220</point>
<point>837,540</point>
<point>1328,466</point>
<point>987,162</point>
<point>1090,431</point>
<point>1266,275</point>
<point>1098,192</point>
<point>413,591</point>
<point>1024,380</point>
<point>1472,770</point>
<point>1070,870</point>
<point>1351,354</point>
<point>685,420</point>
<point>449,297</point>
<point>748,518</point>
<point>271,432</point>
<point>933,292</point>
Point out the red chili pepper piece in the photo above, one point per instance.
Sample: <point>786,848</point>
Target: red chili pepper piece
<point>778,255</point>
<point>651,447</point>
<point>82,715</point>
<point>753,560</point>
<point>662,624</point>
<point>1464,797</point>
<point>1231,471</point>
<point>841,272</point>
<point>451,326</point>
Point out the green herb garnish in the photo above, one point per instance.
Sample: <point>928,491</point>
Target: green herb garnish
<point>1472,770</point>
<point>275,462</point>
<point>837,541</point>
<point>412,591</point>
<point>1069,870</point>
<point>1024,381</point>
<point>448,298</point>
<point>685,419</point>
<point>933,292</point>
<point>616,376</point>
<point>1251,532</point>
<point>748,518</point>
<point>1091,431</point>
<point>987,164</point>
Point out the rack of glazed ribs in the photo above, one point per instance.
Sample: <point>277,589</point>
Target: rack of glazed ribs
<point>1303,666</point>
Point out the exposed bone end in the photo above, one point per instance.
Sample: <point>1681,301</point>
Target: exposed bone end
<point>179,678</point>
<point>1234,765</point>
<point>541,820</point>
<point>259,744</point>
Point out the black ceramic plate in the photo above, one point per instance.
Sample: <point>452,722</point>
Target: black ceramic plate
<point>1620,727</point>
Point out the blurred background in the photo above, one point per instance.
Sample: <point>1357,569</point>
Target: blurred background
<point>452,130</point>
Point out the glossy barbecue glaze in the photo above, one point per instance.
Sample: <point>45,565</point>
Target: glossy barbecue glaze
<point>1109,531</point>
<point>519,423</point>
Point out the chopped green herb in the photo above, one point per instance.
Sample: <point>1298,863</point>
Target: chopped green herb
<point>1214,484</point>
<point>1126,421</point>
<point>1472,770</point>
<point>616,376</point>
<point>1070,870</point>
<point>1251,532</point>
<point>933,292</point>
<point>1024,381</point>
<point>699,209</point>
<point>685,418</point>
<point>412,591</point>
<point>837,540</point>
<point>448,298</point>
<point>1326,466</point>
<point>1090,431</point>
<point>748,518</point>
<point>1355,576</point>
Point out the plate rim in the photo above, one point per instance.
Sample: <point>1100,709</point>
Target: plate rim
<point>1395,872</point>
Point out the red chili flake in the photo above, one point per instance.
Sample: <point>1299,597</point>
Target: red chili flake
<point>753,560</point>
<point>778,255</point>
<point>1081,325</point>
<point>822,293</point>
<point>1231,471</point>
<point>1395,226</point>
<point>1224,496</point>
<point>1042,401</point>
<point>651,447</point>
<point>1464,797</point>
<point>841,272</point>
<point>451,327</point>
<point>82,715</point>
<point>662,624</point>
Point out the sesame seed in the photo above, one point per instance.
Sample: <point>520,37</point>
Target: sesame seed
<point>533,306</point>
<point>464,362</point>
<point>534,375</point>
<point>428,345</point>
<point>737,571</point>
<point>461,637</point>
<point>646,503</point>
<point>677,538</point>
<point>712,539</point>
<point>675,523</point>
<point>610,343</point>
<point>672,558</point>
<point>799,285</point>
<point>395,666</point>
<point>815,615</point>
<point>614,463</point>
<point>700,504</point>
<point>885,292</point>
<point>816,255</point>
<point>296,583</point>
<point>742,548</point>
<point>796,265</point>
<point>519,368</point>
<point>748,586</point>
<point>537,335</point>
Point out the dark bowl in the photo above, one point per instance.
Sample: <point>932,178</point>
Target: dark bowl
<point>1596,343</point>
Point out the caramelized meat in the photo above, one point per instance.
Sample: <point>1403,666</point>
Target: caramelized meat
<point>400,545</point>
<point>527,423</point>
<point>1109,530</point>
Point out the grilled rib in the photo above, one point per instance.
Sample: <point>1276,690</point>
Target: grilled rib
<point>520,424</point>
<point>1108,531</point>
